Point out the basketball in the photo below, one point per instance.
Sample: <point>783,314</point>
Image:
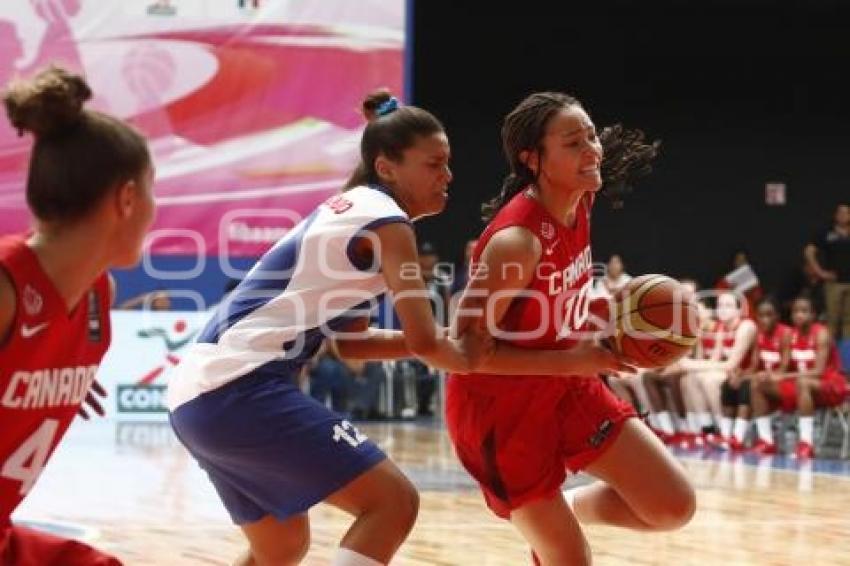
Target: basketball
<point>656,321</point>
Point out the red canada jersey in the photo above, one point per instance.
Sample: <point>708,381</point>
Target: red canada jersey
<point>708,339</point>
<point>770,347</point>
<point>717,333</point>
<point>804,350</point>
<point>556,302</point>
<point>726,337</point>
<point>47,363</point>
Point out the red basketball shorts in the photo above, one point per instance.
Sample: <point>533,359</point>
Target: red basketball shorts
<point>832,391</point>
<point>22,546</point>
<point>519,441</point>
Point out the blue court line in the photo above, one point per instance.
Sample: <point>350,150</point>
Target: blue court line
<point>825,466</point>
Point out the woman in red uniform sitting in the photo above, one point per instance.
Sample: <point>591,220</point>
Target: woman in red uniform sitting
<point>816,379</point>
<point>723,376</point>
<point>770,358</point>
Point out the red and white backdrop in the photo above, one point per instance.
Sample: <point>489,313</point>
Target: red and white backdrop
<point>250,106</point>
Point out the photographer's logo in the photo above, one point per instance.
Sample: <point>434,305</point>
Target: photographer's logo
<point>246,233</point>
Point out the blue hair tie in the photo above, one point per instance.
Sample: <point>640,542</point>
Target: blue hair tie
<point>388,107</point>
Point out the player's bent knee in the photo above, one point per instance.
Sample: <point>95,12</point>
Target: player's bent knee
<point>405,504</point>
<point>675,509</point>
<point>397,502</point>
<point>287,546</point>
<point>290,550</point>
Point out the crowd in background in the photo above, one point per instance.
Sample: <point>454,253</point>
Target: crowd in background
<point>759,356</point>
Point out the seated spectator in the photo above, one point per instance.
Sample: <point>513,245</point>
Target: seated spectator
<point>615,278</point>
<point>414,382</point>
<point>365,389</point>
<point>426,385</point>
<point>815,378</point>
<point>436,282</point>
<point>770,359</point>
<point>330,380</point>
<point>720,377</point>
<point>630,388</point>
<point>673,419</point>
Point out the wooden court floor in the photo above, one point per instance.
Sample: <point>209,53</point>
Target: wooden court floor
<point>137,494</point>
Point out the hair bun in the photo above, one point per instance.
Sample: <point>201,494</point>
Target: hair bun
<point>373,101</point>
<point>48,104</point>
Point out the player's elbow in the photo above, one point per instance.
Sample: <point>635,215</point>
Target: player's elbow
<point>422,346</point>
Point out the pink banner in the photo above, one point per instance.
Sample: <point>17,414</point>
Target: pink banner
<point>250,106</point>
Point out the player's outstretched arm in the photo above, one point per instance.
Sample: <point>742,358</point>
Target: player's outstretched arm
<point>420,336</point>
<point>359,341</point>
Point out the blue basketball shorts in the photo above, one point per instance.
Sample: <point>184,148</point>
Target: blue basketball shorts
<point>269,449</point>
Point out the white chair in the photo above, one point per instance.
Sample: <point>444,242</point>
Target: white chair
<point>840,415</point>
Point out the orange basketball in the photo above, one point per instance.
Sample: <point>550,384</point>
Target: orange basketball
<point>656,321</point>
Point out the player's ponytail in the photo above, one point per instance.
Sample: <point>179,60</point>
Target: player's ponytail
<point>510,187</point>
<point>391,129</point>
<point>626,158</point>
<point>369,109</point>
<point>626,155</point>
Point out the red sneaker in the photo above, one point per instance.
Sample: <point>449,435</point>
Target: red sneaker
<point>804,451</point>
<point>697,441</point>
<point>716,441</point>
<point>762,447</point>
<point>684,440</point>
<point>734,444</point>
<point>664,437</point>
<point>675,439</point>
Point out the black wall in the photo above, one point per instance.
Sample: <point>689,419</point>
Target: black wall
<point>740,92</point>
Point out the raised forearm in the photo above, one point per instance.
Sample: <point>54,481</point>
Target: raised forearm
<point>373,344</point>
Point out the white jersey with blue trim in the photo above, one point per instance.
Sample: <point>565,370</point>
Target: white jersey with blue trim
<point>310,283</point>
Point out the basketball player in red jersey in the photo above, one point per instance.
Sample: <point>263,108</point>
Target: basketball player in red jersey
<point>531,275</point>
<point>722,377</point>
<point>700,425</point>
<point>89,188</point>
<point>816,379</point>
<point>770,358</point>
<point>674,420</point>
